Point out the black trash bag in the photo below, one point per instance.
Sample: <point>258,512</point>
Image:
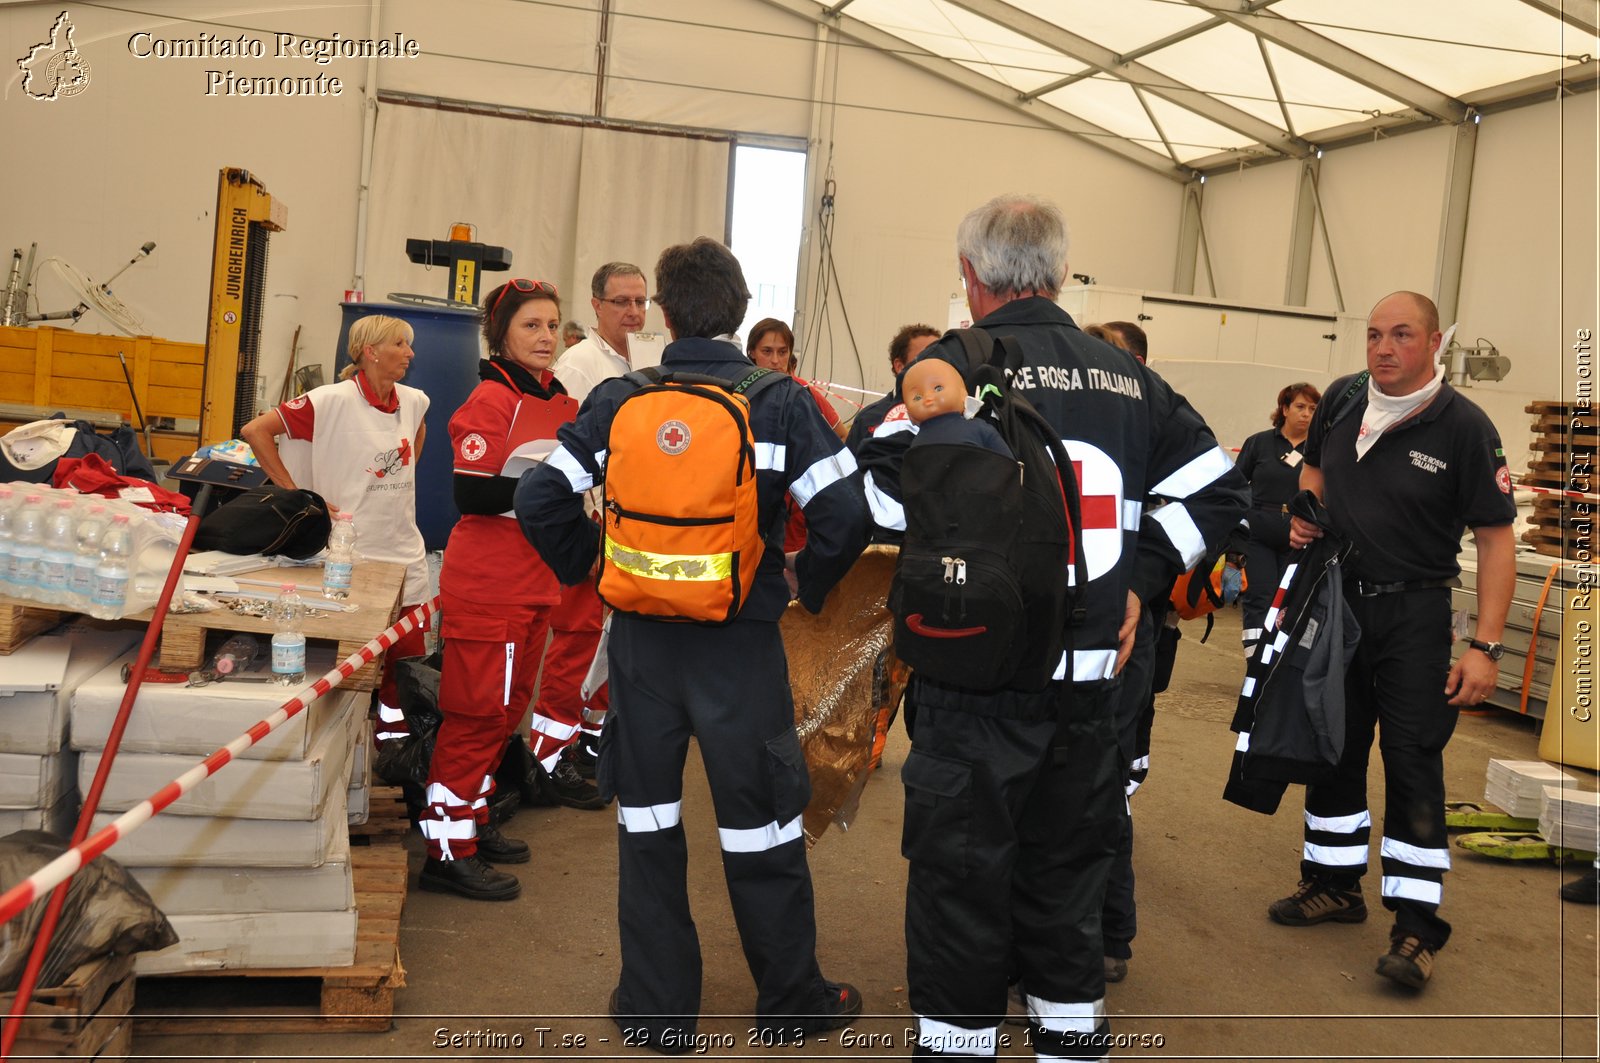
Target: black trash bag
<point>404,762</point>
<point>107,913</point>
<point>517,781</point>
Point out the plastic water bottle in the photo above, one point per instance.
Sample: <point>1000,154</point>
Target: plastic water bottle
<point>58,553</point>
<point>111,574</point>
<point>341,559</point>
<point>86,554</point>
<point>27,545</point>
<point>288,640</point>
<point>8,507</point>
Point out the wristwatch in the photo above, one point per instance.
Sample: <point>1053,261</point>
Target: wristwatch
<point>1494,650</point>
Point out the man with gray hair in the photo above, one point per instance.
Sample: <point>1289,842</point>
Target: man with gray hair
<point>1014,799</point>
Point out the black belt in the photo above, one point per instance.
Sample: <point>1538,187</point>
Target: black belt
<point>1282,509</point>
<point>1372,590</point>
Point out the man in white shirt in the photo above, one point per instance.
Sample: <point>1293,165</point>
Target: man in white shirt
<point>617,294</point>
<point>619,298</point>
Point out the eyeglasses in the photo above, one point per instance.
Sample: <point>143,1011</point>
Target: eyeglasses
<point>527,287</point>
<point>622,302</point>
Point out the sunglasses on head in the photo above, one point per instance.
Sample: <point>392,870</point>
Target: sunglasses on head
<point>527,287</point>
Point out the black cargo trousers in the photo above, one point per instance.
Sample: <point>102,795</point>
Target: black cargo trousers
<point>1010,828</point>
<point>728,688</point>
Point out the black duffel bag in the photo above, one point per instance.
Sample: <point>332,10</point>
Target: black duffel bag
<point>267,520</point>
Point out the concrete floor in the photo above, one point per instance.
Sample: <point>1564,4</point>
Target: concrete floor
<point>1211,977</point>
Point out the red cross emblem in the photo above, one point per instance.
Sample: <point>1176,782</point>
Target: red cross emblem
<point>1099,511</point>
<point>673,437</point>
<point>1100,495</point>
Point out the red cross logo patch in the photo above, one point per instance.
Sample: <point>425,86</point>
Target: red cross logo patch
<point>673,437</point>
<point>1100,492</point>
<point>473,447</point>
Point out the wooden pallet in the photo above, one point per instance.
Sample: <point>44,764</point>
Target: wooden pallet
<point>374,587</point>
<point>87,1017</point>
<point>1540,407</point>
<point>359,998</point>
<point>21,620</point>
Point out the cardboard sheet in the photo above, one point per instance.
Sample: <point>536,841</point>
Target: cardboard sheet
<point>232,890</point>
<point>174,718</point>
<point>249,789</point>
<point>214,841</point>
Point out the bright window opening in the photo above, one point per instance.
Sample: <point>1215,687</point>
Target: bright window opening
<point>768,207</point>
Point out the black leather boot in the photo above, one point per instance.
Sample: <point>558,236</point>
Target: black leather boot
<point>498,849</point>
<point>470,877</point>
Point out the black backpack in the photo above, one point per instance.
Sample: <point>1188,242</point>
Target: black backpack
<point>983,592</point>
<point>267,519</point>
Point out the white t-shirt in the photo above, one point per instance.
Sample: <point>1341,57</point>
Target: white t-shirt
<point>363,459</point>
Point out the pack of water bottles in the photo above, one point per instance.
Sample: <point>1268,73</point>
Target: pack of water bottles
<point>83,553</point>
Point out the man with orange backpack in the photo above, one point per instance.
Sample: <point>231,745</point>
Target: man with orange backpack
<point>692,564</point>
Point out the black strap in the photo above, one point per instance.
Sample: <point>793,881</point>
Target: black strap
<point>748,385</point>
<point>1340,407</point>
<point>980,346</point>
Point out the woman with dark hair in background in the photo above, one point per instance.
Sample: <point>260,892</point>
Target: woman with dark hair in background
<point>1271,460</point>
<point>771,346</point>
<point>495,591</point>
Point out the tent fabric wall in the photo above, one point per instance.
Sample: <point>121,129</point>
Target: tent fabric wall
<point>910,154</point>
<point>709,64</point>
<point>563,198</point>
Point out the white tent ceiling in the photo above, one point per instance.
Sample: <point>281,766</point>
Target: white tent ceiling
<point>1187,86</point>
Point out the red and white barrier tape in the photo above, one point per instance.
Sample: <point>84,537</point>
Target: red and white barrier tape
<point>63,867</point>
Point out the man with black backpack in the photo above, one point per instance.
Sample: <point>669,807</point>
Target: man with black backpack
<point>1014,795</point>
<point>696,590</point>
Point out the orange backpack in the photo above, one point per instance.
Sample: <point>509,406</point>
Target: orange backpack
<point>682,537</point>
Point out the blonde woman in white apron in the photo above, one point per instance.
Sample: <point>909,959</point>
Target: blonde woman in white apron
<point>356,443</point>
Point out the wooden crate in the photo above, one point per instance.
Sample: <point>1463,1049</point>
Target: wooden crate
<point>88,1017</point>
<point>359,998</point>
<point>20,620</point>
<point>44,370</point>
<point>374,586</point>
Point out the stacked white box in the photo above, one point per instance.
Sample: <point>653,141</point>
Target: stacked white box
<point>1518,785</point>
<point>252,866</point>
<point>1570,818</point>
<point>358,799</point>
<point>37,769</point>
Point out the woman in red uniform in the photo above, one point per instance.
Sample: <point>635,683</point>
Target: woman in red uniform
<point>495,592</point>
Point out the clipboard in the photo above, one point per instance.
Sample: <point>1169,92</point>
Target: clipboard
<point>533,431</point>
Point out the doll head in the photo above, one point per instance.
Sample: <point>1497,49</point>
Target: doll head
<point>931,387</point>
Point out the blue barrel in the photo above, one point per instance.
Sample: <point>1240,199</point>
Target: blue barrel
<point>446,368</point>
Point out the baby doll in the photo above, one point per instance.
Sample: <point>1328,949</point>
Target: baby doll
<point>935,397</point>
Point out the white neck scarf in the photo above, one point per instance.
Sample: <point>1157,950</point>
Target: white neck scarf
<point>1385,411</point>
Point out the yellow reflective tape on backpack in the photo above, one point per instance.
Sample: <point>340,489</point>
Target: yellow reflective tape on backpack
<point>705,568</point>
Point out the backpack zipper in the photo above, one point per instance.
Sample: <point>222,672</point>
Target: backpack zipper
<point>617,513</point>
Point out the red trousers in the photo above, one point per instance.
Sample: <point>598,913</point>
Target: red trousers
<point>562,713</point>
<point>491,662</point>
<point>391,721</point>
